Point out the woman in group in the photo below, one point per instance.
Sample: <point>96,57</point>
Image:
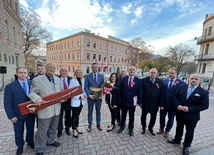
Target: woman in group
<point>112,99</point>
<point>77,101</point>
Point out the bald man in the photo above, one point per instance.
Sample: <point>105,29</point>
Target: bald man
<point>48,117</point>
<point>189,100</point>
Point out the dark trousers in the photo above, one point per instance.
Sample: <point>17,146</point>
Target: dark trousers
<point>151,122</point>
<point>113,114</point>
<point>119,113</point>
<point>65,109</point>
<point>171,115</point>
<point>75,116</point>
<point>19,130</point>
<point>131,117</point>
<point>190,127</point>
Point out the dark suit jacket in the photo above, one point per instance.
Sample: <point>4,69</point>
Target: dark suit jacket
<point>115,92</point>
<point>153,95</point>
<point>197,101</point>
<point>89,82</point>
<point>169,92</point>
<point>13,96</point>
<point>127,94</point>
<point>68,80</point>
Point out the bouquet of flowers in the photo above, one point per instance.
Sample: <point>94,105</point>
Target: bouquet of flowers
<point>107,87</point>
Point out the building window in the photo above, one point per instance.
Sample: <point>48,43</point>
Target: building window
<point>12,59</point>
<point>9,59</point>
<point>7,32</point>
<point>199,69</point>
<point>78,55</point>
<point>114,59</point>
<point>207,49</point>
<point>69,68</point>
<point>73,56</point>
<point>65,56</point>
<point>94,44</point>
<point>94,56</point>
<point>64,45</point>
<point>100,46</point>
<point>115,49</point>
<point>87,69</point>
<point>14,35</point>
<point>209,31</point>
<point>78,43</point>
<point>111,48</point>
<point>73,68</point>
<point>73,42</point>
<point>0,57</point>
<point>122,60</point>
<point>118,50</point>
<point>88,43</point>
<point>69,44</point>
<point>104,57</point>
<point>88,57</point>
<point>104,47</point>
<point>69,56</point>
<point>110,58</point>
<point>204,67</point>
<point>5,57</point>
<point>99,57</point>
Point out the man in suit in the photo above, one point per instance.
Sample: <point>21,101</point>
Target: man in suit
<point>40,69</point>
<point>16,93</point>
<point>131,95</point>
<point>189,100</point>
<point>171,84</point>
<point>65,106</point>
<point>48,117</point>
<point>94,79</point>
<point>119,106</point>
<point>153,97</point>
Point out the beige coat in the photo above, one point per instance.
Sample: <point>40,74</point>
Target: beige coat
<point>41,86</point>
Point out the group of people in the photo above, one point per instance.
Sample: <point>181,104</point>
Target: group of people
<point>172,96</point>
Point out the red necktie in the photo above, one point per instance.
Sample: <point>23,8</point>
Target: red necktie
<point>64,85</point>
<point>130,82</point>
<point>95,78</point>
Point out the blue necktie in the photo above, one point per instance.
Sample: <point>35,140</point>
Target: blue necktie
<point>170,84</point>
<point>52,82</point>
<point>24,87</point>
<point>189,92</point>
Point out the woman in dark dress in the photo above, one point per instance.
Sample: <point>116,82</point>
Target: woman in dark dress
<point>112,98</point>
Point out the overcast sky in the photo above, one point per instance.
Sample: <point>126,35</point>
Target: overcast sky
<point>159,23</point>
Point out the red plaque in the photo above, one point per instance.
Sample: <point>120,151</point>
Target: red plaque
<point>29,107</point>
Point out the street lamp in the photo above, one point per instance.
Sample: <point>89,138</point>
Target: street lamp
<point>153,48</point>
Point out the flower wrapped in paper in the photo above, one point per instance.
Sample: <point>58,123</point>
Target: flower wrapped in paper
<point>107,87</point>
<point>97,92</point>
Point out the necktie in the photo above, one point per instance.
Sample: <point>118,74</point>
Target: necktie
<point>64,85</point>
<point>24,87</point>
<point>170,84</point>
<point>189,92</point>
<point>52,82</point>
<point>152,80</point>
<point>95,78</point>
<point>130,82</point>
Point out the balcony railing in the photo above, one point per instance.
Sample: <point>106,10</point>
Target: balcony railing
<point>203,57</point>
<point>205,38</point>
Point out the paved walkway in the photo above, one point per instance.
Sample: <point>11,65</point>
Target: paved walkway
<point>109,143</point>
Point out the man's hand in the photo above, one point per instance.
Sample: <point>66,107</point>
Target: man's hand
<point>91,96</point>
<point>185,109</point>
<point>14,119</point>
<point>39,102</point>
<point>180,108</point>
<point>161,108</point>
<point>83,97</point>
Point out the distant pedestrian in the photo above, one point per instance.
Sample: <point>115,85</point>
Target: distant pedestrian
<point>205,82</point>
<point>189,100</point>
<point>16,93</point>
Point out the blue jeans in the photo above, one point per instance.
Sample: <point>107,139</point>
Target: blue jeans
<point>91,104</point>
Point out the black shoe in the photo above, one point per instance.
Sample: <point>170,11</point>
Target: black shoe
<point>59,134</point>
<point>131,133</point>
<point>152,132</point>
<point>79,131</point>
<point>89,128</point>
<point>99,127</point>
<point>40,153</point>
<point>55,144</point>
<point>75,134</point>
<point>68,132</point>
<point>110,129</point>
<point>143,130</point>
<point>31,145</point>
<point>173,141</point>
<point>19,151</point>
<point>120,130</point>
<point>185,151</point>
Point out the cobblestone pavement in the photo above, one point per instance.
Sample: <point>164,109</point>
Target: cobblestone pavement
<point>101,142</point>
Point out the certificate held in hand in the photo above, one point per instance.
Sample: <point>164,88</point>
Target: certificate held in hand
<point>29,107</point>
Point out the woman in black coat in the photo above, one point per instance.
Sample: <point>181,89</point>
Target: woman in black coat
<point>112,99</point>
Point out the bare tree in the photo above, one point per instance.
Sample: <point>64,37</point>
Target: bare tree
<point>133,50</point>
<point>33,34</point>
<point>179,55</point>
